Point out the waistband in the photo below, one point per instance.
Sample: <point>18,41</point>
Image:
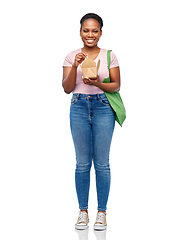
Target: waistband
<point>89,96</point>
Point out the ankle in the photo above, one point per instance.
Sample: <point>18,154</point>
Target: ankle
<point>102,212</point>
<point>84,211</point>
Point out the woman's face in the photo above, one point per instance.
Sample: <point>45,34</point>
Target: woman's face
<point>90,32</point>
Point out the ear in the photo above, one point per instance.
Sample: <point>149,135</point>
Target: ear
<point>100,33</point>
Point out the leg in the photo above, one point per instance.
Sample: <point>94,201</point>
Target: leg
<point>81,134</point>
<point>102,131</point>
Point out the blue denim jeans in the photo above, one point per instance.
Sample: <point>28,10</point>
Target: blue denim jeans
<point>92,123</point>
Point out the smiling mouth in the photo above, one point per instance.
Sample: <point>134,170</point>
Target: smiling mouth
<point>90,41</point>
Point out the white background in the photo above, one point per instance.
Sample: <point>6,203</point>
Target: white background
<point>37,161</point>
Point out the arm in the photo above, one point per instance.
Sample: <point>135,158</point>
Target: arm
<point>69,79</point>
<point>112,87</point>
<point>70,73</point>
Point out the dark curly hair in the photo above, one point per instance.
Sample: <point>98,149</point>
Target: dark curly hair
<point>93,16</point>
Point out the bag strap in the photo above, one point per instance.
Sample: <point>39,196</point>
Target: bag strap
<point>109,58</point>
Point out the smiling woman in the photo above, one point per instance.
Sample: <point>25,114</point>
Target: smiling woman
<point>90,31</point>
<point>91,117</point>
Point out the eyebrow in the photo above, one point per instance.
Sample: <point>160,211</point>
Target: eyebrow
<point>91,28</point>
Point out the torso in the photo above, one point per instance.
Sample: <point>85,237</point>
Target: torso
<point>103,70</point>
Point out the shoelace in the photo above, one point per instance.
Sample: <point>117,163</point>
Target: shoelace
<point>100,218</point>
<point>82,217</point>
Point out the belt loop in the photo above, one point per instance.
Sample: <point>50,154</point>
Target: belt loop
<point>78,95</point>
<point>98,95</point>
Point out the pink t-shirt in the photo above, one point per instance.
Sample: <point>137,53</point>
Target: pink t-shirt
<point>103,71</point>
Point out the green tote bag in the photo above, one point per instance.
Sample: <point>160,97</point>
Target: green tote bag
<point>115,98</point>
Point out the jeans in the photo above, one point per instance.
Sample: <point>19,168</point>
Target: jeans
<point>92,123</point>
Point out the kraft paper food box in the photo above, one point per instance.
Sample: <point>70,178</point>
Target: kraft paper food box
<point>90,69</point>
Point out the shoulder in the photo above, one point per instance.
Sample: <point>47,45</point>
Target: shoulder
<point>69,59</point>
<point>104,53</point>
<point>114,61</point>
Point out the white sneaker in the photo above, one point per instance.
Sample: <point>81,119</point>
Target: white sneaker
<point>82,222</point>
<point>100,223</point>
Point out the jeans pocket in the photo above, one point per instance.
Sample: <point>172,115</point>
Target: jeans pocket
<point>104,101</point>
<point>74,100</point>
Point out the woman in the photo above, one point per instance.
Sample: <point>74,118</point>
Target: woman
<point>92,119</point>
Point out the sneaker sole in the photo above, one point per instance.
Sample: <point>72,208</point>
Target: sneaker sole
<point>81,227</point>
<point>99,228</point>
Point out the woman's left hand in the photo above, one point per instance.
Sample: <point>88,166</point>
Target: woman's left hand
<point>112,87</point>
<point>94,82</point>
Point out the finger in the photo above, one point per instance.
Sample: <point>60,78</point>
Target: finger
<point>80,58</point>
<point>91,80</point>
<point>86,81</point>
<point>83,54</point>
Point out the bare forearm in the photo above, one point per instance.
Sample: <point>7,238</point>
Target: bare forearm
<point>69,82</point>
<point>108,87</point>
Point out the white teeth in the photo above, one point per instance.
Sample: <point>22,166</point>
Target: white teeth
<point>90,40</point>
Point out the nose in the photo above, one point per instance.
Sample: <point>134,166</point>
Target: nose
<point>90,34</point>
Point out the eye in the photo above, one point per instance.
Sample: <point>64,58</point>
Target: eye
<point>95,31</point>
<point>85,31</point>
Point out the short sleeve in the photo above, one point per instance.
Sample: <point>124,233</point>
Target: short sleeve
<point>114,61</point>
<point>68,62</point>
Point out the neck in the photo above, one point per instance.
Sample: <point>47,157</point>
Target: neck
<point>87,49</point>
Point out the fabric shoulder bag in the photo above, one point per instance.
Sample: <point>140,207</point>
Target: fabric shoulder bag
<point>115,98</point>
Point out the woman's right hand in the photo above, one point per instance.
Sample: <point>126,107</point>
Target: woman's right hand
<point>79,58</point>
